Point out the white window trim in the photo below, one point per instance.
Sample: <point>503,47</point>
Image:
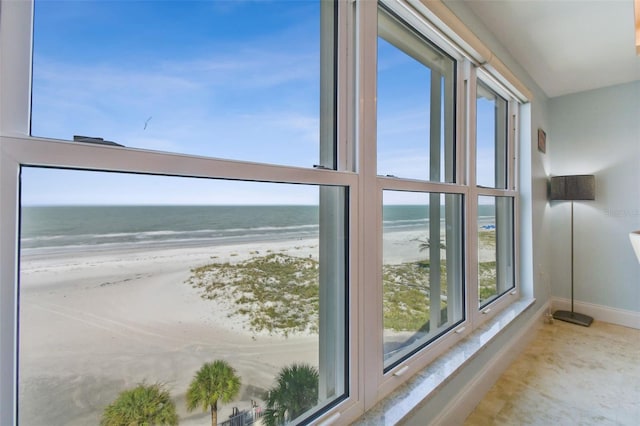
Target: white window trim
<point>15,80</point>
<point>17,152</point>
<point>481,315</point>
<point>18,148</point>
<point>378,384</point>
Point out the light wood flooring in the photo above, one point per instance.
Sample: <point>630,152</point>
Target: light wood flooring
<point>569,375</point>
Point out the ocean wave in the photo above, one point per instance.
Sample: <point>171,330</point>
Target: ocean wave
<point>404,223</point>
<point>184,236</point>
<point>163,236</point>
<point>165,243</point>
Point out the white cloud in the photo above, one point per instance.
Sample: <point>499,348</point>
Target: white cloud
<point>188,111</point>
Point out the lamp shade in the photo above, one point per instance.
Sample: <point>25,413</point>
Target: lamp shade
<point>576,187</point>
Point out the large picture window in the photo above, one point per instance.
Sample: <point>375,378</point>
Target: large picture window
<point>317,198</point>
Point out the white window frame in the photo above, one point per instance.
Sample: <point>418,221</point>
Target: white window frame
<point>356,169</point>
<point>378,384</point>
<point>18,148</point>
<point>488,311</point>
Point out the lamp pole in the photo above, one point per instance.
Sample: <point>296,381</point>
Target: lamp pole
<point>572,312</point>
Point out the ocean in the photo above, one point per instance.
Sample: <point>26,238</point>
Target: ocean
<point>53,228</point>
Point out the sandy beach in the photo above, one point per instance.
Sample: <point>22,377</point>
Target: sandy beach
<point>96,323</point>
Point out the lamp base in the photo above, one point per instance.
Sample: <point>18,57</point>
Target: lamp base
<point>573,317</point>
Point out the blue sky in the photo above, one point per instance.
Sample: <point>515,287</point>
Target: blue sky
<point>231,79</point>
<point>235,79</point>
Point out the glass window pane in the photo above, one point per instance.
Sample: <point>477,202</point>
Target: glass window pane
<point>415,102</point>
<point>491,135</point>
<point>228,79</point>
<point>116,293</point>
<point>422,270</point>
<point>496,272</point>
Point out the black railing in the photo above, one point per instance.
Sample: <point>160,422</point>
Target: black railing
<point>242,418</point>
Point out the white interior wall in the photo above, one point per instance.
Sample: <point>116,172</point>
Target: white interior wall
<point>598,132</point>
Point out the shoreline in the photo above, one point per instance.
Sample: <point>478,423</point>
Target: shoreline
<point>217,241</point>
<point>129,247</point>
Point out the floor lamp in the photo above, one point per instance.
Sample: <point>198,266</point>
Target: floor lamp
<point>573,188</point>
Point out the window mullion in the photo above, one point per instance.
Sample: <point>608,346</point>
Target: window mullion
<point>501,160</point>
<point>471,213</point>
<point>328,98</point>
<point>332,205</point>
<point>471,102</point>
<point>512,144</point>
<point>369,229</point>
<point>472,258</point>
<point>15,67</point>
<point>9,198</point>
<point>504,244</point>
<point>51,153</point>
<point>346,87</point>
<point>450,134</point>
<point>434,198</point>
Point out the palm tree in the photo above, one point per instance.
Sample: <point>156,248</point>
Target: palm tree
<point>215,381</point>
<point>295,392</point>
<point>142,405</point>
<point>425,245</point>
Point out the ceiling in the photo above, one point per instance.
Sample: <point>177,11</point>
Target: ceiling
<point>566,46</point>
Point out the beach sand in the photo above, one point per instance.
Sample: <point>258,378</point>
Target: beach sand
<point>95,323</point>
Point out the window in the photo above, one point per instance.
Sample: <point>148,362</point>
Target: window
<point>116,294</point>
<point>491,146</point>
<point>332,190</point>
<point>415,105</point>
<point>421,270</point>
<point>202,78</point>
<point>422,263</point>
<point>495,118</point>
<point>496,272</point>
<point>206,80</point>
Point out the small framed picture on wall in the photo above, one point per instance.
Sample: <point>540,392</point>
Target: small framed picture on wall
<point>542,141</point>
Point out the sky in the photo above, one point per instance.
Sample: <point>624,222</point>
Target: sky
<point>235,79</point>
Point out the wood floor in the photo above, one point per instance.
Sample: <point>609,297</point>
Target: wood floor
<point>569,375</point>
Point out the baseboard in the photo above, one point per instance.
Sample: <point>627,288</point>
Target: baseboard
<point>600,313</point>
<point>458,409</point>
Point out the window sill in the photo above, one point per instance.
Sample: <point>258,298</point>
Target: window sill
<point>409,396</point>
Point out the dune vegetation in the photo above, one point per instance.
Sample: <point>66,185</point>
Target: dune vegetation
<point>278,293</point>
